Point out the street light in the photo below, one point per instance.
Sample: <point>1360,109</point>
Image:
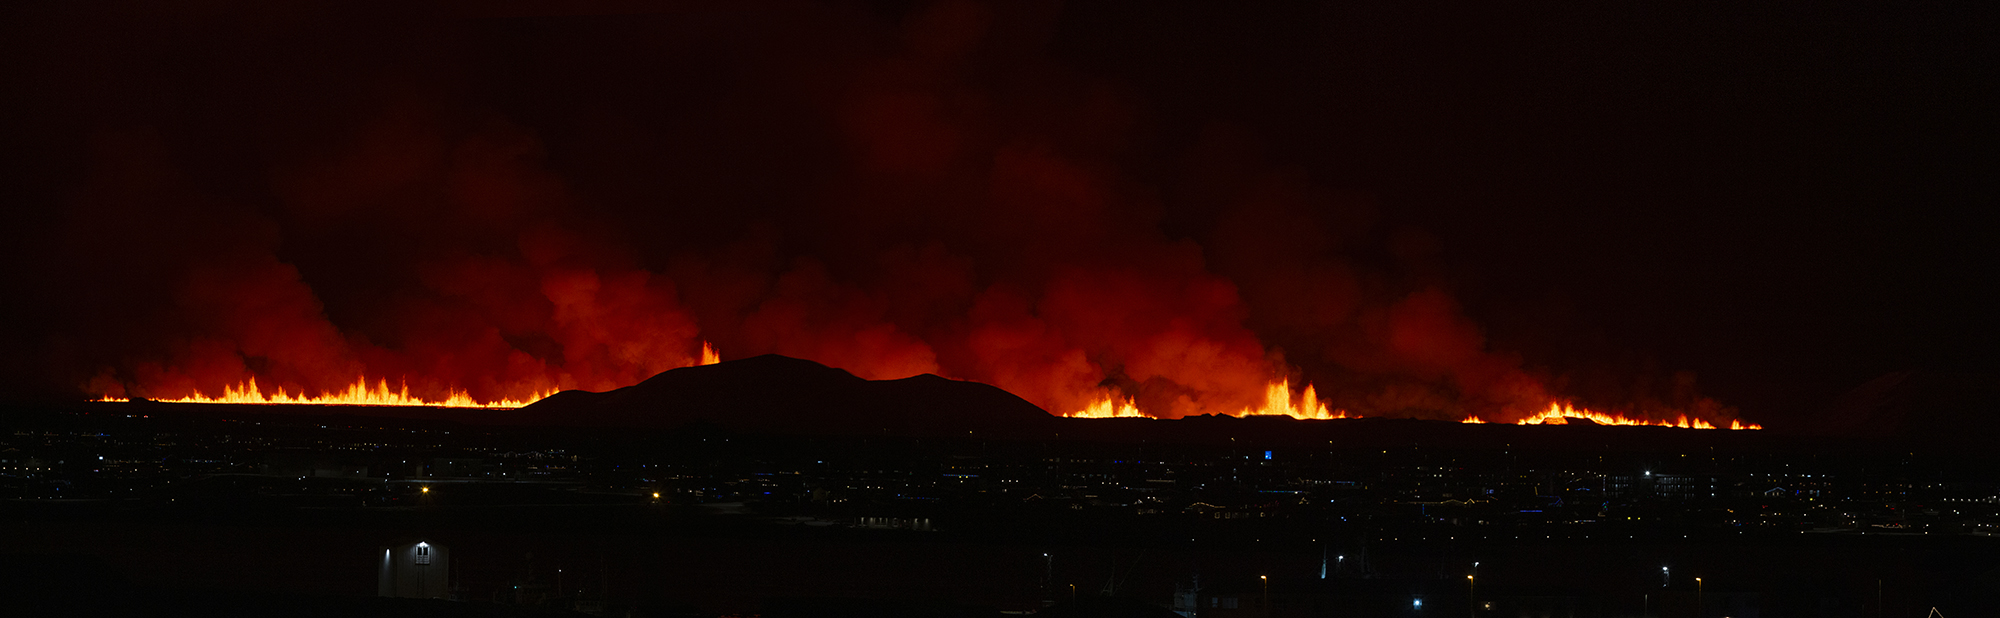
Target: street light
<point>1471,596</point>
<point>1266,579</point>
<point>1697,597</point>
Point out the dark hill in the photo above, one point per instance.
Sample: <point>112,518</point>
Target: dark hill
<point>779,394</point>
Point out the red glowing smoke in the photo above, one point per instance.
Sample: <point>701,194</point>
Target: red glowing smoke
<point>466,207</point>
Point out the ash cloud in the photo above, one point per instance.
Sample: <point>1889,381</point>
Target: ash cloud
<point>506,204</point>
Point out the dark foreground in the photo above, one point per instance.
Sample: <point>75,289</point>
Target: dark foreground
<point>285,515</point>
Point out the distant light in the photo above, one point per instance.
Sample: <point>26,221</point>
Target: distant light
<point>1418,604</point>
<point>427,490</point>
<point>1267,454</point>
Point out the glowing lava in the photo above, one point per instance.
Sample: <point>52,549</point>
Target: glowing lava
<point>1278,401</point>
<point>361,394</point>
<point>1560,413</point>
<point>1109,406</point>
<point>357,394</point>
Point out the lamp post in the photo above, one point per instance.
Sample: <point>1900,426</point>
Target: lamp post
<point>1471,597</point>
<point>1266,579</point>
<point>1697,597</point>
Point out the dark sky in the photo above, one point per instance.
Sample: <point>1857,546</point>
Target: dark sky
<point>1790,200</point>
<point>1776,203</point>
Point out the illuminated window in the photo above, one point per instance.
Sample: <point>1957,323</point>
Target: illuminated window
<point>423,553</point>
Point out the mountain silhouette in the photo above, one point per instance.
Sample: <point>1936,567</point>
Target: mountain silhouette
<point>780,394</point>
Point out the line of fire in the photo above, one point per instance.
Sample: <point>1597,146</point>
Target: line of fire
<point>1279,400</point>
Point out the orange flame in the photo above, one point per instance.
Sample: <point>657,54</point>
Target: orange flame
<point>1109,406</point>
<point>356,394</point>
<point>1278,401</point>
<point>1559,414</point>
<point>361,394</point>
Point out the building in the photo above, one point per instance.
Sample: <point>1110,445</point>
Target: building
<point>415,570</point>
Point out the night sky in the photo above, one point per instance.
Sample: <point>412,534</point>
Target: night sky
<point>1422,211</point>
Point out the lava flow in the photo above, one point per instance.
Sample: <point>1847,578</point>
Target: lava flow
<point>1109,406</point>
<point>1278,401</point>
<point>357,394</point>
<point>1307,406</point>
<point>1560,413</point>
<point>361,394</point>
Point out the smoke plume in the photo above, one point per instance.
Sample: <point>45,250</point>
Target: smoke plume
<point>504,204</point>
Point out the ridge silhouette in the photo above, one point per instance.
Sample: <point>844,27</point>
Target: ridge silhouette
<point>789,395</point>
